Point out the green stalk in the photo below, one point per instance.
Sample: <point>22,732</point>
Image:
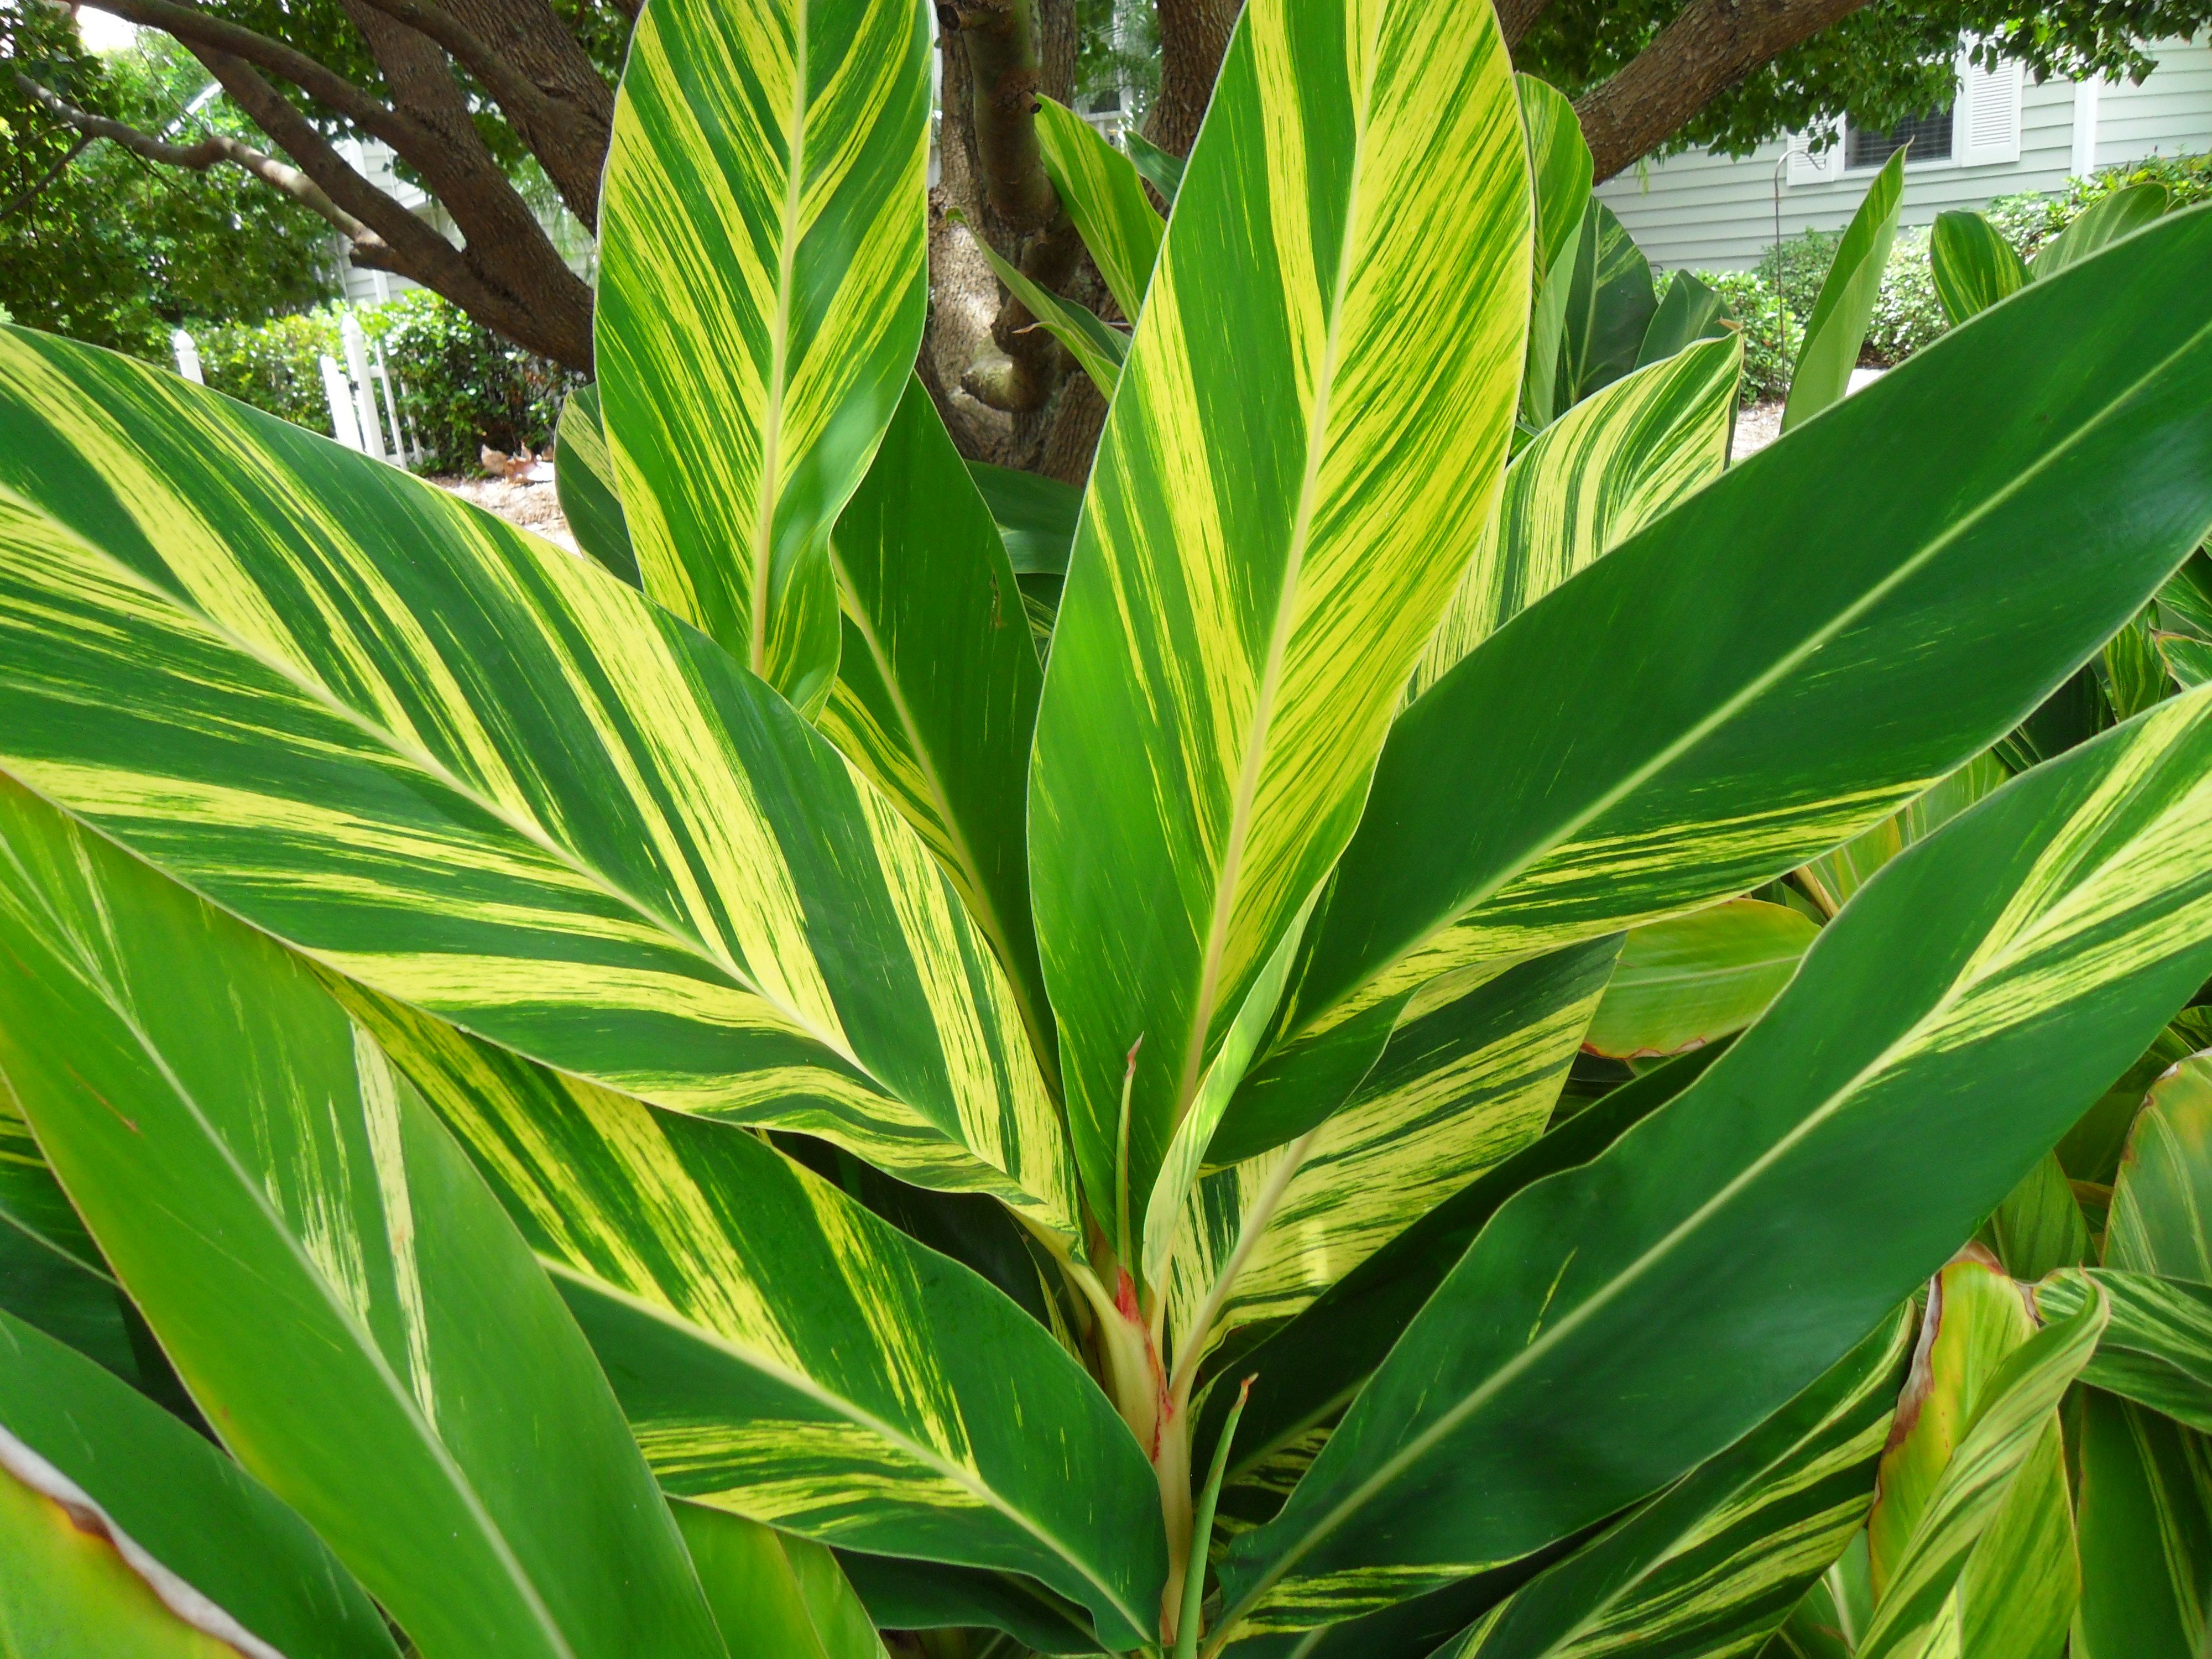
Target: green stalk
<point>1193,1580</point>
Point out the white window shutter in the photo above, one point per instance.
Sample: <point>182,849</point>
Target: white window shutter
<point>1806,168</point>
<point>1986,130</point>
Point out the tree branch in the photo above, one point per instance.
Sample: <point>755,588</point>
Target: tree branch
<point>540,79</point>
<point>317,79</point>
<point>209,151</point>
<point>29,193</point>
<point>1515,16</point>
<point>1709,47</point>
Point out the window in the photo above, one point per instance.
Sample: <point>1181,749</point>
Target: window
<point>1930,137</point>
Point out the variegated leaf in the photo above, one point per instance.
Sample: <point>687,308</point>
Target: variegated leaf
<point>936,692</point>
<point>584,472</point>
<point>2162,1214</point>
<point>1302,446</point>
<point>1741,1237</point>
<point>1832,878</point>
<point>1586,483</point>
<point>483,775</point>
<point>1105,197</point>
<point>1988,1571</point>
<point>311,1251</point>
<point>761,297</point>
<point>2157,1352</point>
<point>1469,1077</point>
<point>1821,670</point>
<point>1713,1565</point>
<point>784,1354</point>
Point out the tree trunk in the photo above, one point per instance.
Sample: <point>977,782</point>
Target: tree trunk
<point>989,171</point>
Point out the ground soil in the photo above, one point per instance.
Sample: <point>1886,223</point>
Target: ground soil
<point>1756,427</point>
<point>533,505</point>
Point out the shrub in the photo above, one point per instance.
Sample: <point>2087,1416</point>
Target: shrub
<point>599,1095</point>
<point>1907,315</point>
<point>460,385</point>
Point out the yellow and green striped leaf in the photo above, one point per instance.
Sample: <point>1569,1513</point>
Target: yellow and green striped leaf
<point>1821,669</point>
<point>1587,483</point>
<point>1716,1562</point>
<point>1105,197</point>
<point>1988,1571</point>
<point>784,1354</point>
<point>1309,1371</point>
<point>2157,1352</point>
<point>1739,1239</point>
<point>1098,348</point>
<point>1832,878</point>
<point>584,473</point>
<point>1836,332</point>
<point>761,297</point>
<point>2145,1526</point>
<point>1559,171</point>
<point>312,1249</point>
<point>2161,1213</point>
<point>1311,422</point>
<point>484,776</point>
<point>1469,1077</point>
<point>2182,621</point>
<point>1975,265</point>
<point>1687,982</point>
<point>1975,1317</point>
<point>937,691</point>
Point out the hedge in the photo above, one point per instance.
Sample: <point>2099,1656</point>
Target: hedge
<point>1907,315</point>
<point>461,387</point>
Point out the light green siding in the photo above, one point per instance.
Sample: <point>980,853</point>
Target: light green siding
<point>1718,213</point>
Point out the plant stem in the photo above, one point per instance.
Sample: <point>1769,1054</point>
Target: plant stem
<point>1194,1586</point>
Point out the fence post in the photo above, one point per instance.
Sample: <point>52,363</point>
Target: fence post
<point>188,358</point>
<point>391,408</point>
<point>364,392</point>
<point>343,427</point>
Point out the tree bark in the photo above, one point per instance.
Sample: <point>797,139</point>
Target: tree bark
<point>1514,17</point>
<point>1708,48</point>
<point>1193,35</point>
<point>979,339</point>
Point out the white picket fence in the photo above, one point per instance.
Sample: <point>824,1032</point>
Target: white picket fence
<point>362,393</point>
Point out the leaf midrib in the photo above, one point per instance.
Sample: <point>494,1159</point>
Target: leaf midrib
<point>763,550</point>
<point>1243,805</point>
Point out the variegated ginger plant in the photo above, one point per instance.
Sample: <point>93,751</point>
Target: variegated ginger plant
<point>896,1052</point>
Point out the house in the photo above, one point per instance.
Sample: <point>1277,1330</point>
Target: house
<point>2001,135</point>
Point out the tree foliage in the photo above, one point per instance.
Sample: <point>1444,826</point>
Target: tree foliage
<point>102,246</point>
